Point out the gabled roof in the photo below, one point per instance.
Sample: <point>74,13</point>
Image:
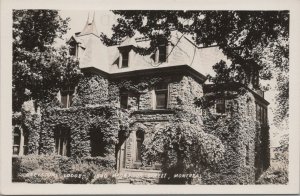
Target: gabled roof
<point>89,28</point>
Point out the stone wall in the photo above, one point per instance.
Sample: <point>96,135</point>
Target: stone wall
<point>237,129</point>
<point>182,89</point>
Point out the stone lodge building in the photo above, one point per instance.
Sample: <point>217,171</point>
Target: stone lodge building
<point>150,87</point>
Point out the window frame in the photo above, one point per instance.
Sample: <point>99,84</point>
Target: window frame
<point>68,94</point>
<point>62,139</point>
<point>140,137</point>
<point>158,90</point>
<point>124,94</point>
<point>162,57</point>
<point>16,143</point>
<point>217,103</point>
<point>123,65</point>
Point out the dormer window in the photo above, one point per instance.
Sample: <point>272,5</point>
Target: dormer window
<point>67,96</point>
<point>162,53</point>
<point>125,59</point>
<point>73,48</point>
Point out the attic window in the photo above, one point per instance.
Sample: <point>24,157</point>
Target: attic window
<point>72,49</point>
<point>162,53</point>
<point>125,59</point>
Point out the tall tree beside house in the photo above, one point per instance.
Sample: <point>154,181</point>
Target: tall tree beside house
<point>39,68</point>
<point>255,41</point>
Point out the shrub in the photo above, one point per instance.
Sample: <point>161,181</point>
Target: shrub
<point>274,176</point>
<point>41,176</point>
<point>22,166</point>
<point>109,179</point>
<point>70,171</point>
<point>80,174</point>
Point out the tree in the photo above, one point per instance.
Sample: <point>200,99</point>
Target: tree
<point>40,69</point>
<point>246,37</point>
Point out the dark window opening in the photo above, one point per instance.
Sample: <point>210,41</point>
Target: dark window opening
<point>247,159</point>
<point>67,96</point>
<point>17,140</point>
<point>62,142</point>
<point>162,53</point>
<point>220,106</point>
<point>139,143</point>
<point>25,146</point>
<point>72,49</point>
<point>125,59</point>
<point>98,145</point>
<point>161,93</point>
<point>138,101</point>
<point>124,100</point>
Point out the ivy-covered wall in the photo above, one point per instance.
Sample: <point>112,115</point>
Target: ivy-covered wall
<point>91,90</point>
<point>182,89</point>
<point>238,130</point>
<point>96,107</point>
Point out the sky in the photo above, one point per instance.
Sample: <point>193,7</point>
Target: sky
<point>104,20</point>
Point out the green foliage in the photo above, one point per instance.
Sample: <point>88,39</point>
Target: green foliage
<point>39,69</point>
<point>91,90</point>
<point>40,176</point>
<point>274,175</point>
<point>110,121</point>
<point>183,146</point>
<point>277,173</point>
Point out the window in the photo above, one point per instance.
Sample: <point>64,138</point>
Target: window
<point>97,143</point>
<point>220,106</point>
<point>139,142</point>
<point>261,114</point>
<point>124,100</point>
<point>247,155</point>
<point>125,59</point>
<point>72,49</point>
<point>67,96</point>
<point>62,142</point>
<point>161,94</point>
<point>20,142</point>
<point>162,53</point>
<point>17,141</point>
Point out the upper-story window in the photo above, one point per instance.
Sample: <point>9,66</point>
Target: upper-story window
<point>162,53</point>
<point>125,58</point>
<point>220,106</point>
<point>73,48</point>
<point>161,95</point>
<point>124,100</point>
<point>261,114</point>
<point>62,142</point>
<point>67,94</point>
